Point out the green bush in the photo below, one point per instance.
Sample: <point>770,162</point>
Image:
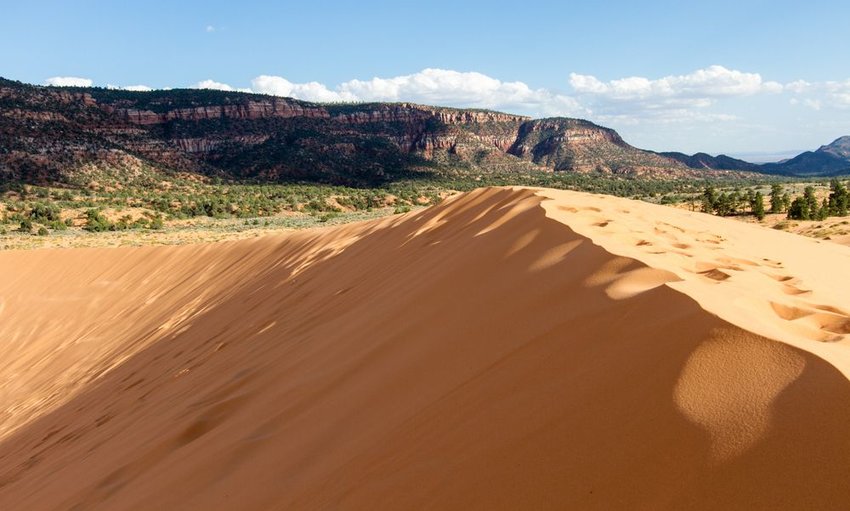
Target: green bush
<point>58,225</point>
<point>95,222</point>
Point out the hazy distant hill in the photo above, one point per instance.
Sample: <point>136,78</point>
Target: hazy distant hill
<point>829,160</point>
<point>706,161</point>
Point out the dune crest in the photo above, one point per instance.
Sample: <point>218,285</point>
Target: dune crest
<point>773,283</point>
<point>508,349</point>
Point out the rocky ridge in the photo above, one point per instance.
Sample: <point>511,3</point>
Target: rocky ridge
<point>47,132</point>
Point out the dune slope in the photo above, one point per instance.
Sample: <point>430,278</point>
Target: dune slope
<point>509,349</point>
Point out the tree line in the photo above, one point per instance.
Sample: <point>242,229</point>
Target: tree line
<point>803,207</point>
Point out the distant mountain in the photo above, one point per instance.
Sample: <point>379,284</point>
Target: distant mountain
<point>577,145</point>
<point>70,134</point>
<point>706,161</point>
<point>828,160</point>
<point>839,147</point>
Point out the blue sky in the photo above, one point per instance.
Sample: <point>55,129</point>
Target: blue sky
<point>738,77</point>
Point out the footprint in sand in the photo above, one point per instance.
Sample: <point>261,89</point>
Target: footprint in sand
<point>782,278</point>
<point>790,312</point>
<point>832,325</point>
<point>737,261</point>
<point>715,274</point>
<point>788,289</point>
<point>830,308</point>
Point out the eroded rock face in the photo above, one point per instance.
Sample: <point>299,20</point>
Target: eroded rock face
<point>409,112</point>
<point>581,146</point>
<point>274,107</point>
<point>251,135</point>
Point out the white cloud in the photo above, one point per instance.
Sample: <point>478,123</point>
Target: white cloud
<point>138,88</point>
<point>675,98</point>
<point>429,86</point>
<point>702,84</point>
<point>814,104</point>
<point>310,91</point>
<point>214,85</point>
<point>454,88</point>
<point>68,81</point>
<point>819,94</point>
<point>839,93</point>
<point>135,88</point>
<point>798,86</point>
<point>210,28</point>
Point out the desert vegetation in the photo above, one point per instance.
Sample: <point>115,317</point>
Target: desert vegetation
<point>101,201</point>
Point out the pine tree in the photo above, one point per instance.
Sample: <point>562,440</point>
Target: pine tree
<point>811,201</point>
<point>709,199</point>
<point>823,211</point>
<point>839,198</point>
<point>758,206</point>
<point>776,203</point>
<point>723,205</point>
<point>799,209</point>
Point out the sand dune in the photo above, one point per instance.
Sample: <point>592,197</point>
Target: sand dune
<point>508,349</point>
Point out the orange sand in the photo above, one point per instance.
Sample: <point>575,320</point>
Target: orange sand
<point>509,349</point>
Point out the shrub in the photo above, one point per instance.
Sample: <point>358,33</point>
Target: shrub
<point>57,225</point>
<point>95,222</point>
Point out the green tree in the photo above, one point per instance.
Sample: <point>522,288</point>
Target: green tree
<point>823,211</point>
<point>799,209</point>
<point>735,200</point>
<point>776,203</point>
<point>723,204</point>
<point>709,199</point>
<point>758,206</point>
<point>839,199</point>
<point>811,200</point>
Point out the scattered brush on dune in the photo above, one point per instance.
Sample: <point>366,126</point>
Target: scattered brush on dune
<point>508,349</point>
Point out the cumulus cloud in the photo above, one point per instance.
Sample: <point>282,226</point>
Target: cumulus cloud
<point>711,82</point>
<point>675,98</point>
<point>135,88</point>
<point>310,91</point>
<point>68,81</point>
<point>798,86</point>
<point>681,98</point>
<point>455,88</point>
<point>817,95</point>
<point>138,88</point>
<point>214,85</point>
<point>430,86</point>
<point>839,93</point>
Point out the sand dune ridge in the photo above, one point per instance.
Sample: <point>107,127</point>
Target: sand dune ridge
<point>508,349</point>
